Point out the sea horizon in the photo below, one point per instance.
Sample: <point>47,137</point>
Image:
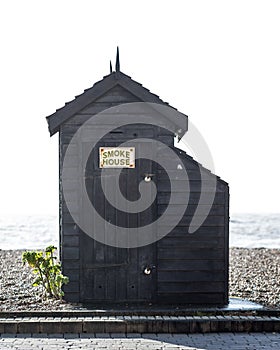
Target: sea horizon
<point>36,231</point>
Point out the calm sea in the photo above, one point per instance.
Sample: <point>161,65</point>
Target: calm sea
<point>35,232</point>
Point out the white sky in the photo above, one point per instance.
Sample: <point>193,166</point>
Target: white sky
<point>217,61</point>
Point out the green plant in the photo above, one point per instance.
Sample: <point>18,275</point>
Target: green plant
<point>47,271</point>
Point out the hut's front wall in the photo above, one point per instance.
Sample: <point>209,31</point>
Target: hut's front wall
<point>189,268</point>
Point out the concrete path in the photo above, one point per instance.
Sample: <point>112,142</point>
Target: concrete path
<point>209,341</point>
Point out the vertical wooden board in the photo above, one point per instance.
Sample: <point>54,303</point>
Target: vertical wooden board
<point>146,282</point>
<point>99,284</point>
<point>86,257</point>
<point>122,216</point>
<point>122,256</point>
<point>110,283</point>
<point>132,274</point>
<point>146,254</point>
<point>86,242</point>
<point>109,251</point>
<point>99,203</point>
<point>99,288</point>
<point>61,228</point>
<point>132,222</point>
<point>86,285</point>
<point>226,246</point>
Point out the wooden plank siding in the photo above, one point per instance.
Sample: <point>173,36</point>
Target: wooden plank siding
<point>87,282</point>
<point>190,268</point>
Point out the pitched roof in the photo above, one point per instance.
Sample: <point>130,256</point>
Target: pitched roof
<point>92,94</point>
<point>97,90</point>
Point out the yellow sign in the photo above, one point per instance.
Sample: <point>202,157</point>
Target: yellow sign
<point>116,157</point>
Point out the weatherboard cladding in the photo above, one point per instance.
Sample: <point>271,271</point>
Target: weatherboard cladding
<point>96,92</point>
<point>190,268</point>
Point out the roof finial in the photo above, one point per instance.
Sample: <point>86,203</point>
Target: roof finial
<point>118,60</point>
<point>111,69</point>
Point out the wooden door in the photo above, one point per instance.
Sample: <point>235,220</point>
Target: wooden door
<point>114,274</point>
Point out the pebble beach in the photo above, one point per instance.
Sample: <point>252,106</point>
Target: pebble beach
<point>254,275</point>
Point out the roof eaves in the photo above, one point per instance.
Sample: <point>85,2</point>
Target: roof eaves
<point>97,90</point>
<point>179,151</point>
<point>79,102</point>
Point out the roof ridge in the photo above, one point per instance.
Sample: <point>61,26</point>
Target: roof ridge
<point>98,89</point>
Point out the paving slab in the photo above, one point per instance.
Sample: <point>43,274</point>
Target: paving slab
<point>217,341</point>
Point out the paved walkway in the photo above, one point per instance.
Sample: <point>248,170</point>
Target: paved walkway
<point>208,341</point>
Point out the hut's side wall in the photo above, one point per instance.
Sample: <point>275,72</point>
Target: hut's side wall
<point>193,268</point>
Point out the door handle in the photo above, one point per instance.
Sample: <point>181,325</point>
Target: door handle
<point>148,270</point>
<point>148,177</point>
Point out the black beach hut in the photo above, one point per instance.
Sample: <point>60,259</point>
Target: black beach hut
<point>177,268</point>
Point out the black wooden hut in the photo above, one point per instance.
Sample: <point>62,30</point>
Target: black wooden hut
<point>183,268</point>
